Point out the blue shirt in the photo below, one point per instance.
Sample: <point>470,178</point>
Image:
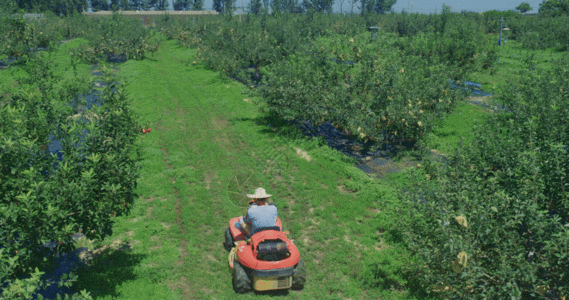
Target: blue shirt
<point>261,216</point>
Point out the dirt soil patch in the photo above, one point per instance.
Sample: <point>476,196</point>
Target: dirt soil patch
<point>303,154</point>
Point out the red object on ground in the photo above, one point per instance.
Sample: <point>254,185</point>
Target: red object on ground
<point>148,130</point>
<point>143,130</point>
<point>42,147</point>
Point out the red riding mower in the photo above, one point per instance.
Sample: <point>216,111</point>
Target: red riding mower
<point>269,260</point>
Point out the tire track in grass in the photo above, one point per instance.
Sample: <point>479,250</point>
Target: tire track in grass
<point>185,288</point>
<point>183,284</point>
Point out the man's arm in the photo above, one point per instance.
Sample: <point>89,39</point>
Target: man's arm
<point>247,219</point>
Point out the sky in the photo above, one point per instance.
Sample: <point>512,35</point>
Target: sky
<point>421,6</point>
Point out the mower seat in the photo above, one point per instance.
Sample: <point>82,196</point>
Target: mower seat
<point>276,228</point>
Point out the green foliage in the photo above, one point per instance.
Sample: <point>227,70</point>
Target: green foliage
<point>24,36</point>
<point>544,33</point>
<point>386,269</point>
<point>230,46</point>
<point>410,24</point>
<point>382,95</point>
<point>16,35</point>
<point>524,7</point>
<point>118,35</point>
<point>496,14</point>
<point>462,45</point>
<point>534,33</point>
<point>491,20</point>
<point>8,7</point>
<point>446,9</point>
<point>496,224</point>
<point>554,8</point>
<point>97,178</point>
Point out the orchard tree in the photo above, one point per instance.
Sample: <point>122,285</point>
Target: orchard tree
<point>8,7</point>
<point>524,7</point>
<point>29,5</point>
<point>376,6</point>
<point>554,8</point>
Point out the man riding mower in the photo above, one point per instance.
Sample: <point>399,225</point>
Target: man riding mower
<point>261,256</point>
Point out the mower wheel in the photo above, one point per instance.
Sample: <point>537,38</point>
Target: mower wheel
<point>241,282</point>
<point>299,276</point>
<point>229,242</point>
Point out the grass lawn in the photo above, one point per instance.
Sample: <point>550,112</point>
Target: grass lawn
<point>459,124</point>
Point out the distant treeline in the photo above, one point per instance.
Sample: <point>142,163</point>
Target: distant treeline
<point>548,8</point>
<point>66,7</point>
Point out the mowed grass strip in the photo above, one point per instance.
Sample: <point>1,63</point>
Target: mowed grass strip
<point>206,150</point>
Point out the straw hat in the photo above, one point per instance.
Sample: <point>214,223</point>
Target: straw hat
<point>259,193</point>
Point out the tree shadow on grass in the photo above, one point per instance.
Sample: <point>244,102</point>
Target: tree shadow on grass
<point>336,138</point>
<point>375,159</point>
<point>108,269</point>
